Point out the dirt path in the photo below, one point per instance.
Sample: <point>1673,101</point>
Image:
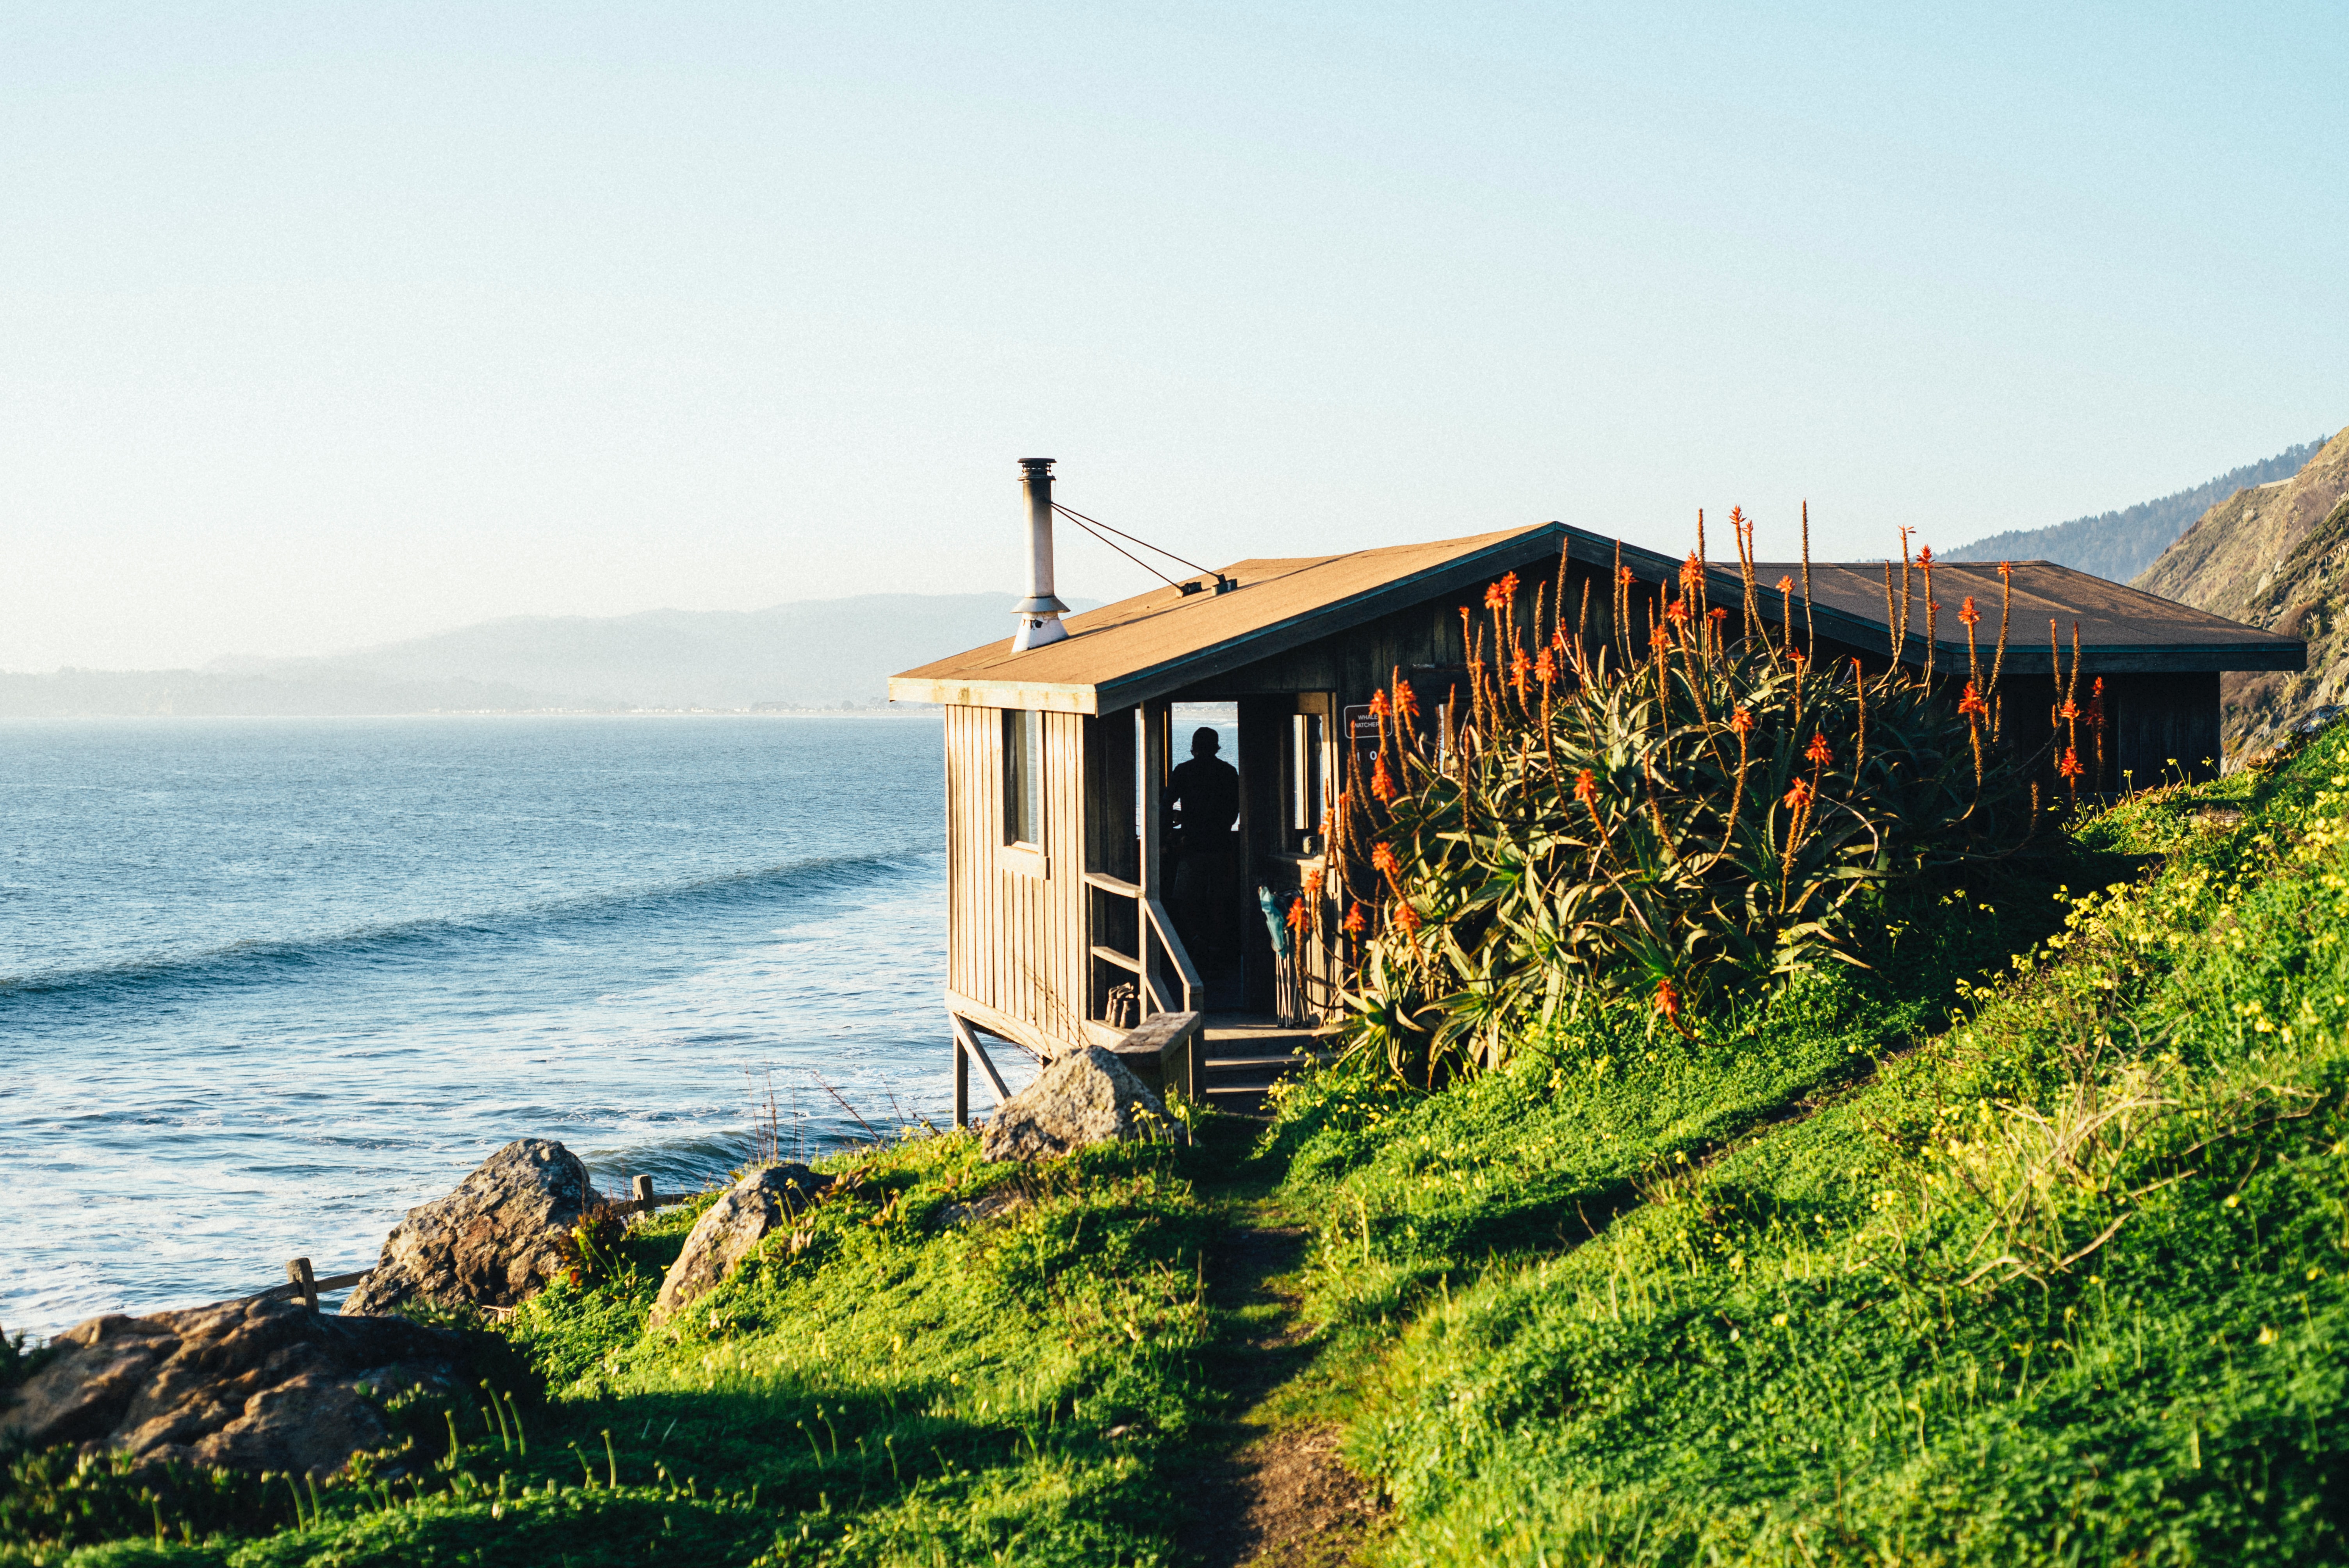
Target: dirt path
<point>1278,1495</point>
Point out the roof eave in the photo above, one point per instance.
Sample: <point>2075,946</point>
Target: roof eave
<point>1190,669</point>
<point>1282,636</point>
<point>1059,697</point>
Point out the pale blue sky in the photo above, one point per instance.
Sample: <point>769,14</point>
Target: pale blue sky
<point>323,325</point>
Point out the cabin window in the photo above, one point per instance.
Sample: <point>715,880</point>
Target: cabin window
<point>1023,777</point>
<point>1305,800</point>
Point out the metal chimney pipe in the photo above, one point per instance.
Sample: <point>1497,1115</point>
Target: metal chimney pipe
<point>1039,614</point>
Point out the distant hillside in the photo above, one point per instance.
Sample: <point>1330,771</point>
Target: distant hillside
<point>2308,597</point>
<point>2276,557</point>
<point>2231,556</point>
<point>816,654</point>
<point>2120,544</point>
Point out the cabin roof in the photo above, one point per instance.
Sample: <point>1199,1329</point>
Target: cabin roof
<point>2122,629</point>
<point>1163,641</point>
<point>1159,642</point>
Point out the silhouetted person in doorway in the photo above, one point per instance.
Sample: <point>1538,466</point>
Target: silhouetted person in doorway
<point>1206,791</point>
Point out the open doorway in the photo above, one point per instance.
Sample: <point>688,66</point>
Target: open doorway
<point>1207,860</point>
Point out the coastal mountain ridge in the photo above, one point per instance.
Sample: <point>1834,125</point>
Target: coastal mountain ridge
<point>2118,545</point>
<point>2275,556</point>
<point>811,653</point>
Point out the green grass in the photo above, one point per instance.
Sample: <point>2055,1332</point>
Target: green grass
<point>914,1383</point>
<point>1964,1257</point>
<point>1797,1346</point>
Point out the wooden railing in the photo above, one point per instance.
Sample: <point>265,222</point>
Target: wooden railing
<point>1153,923</point>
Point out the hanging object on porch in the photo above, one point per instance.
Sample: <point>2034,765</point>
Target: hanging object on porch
<point>1288,990</point>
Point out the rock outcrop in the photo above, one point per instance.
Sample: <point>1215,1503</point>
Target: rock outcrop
<point>731,1227</point>
<point>245,1384</point>
<point>2237,552</point>
<point>1081,1099</point>
<point>491,1243</point>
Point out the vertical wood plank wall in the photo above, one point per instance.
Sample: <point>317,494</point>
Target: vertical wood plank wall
<point>1016,941</point>
<point>2169,726</point>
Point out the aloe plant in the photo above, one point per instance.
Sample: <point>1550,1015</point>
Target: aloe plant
<point>1684,803</point>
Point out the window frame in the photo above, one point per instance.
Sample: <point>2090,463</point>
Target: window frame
<point>1023,781</point>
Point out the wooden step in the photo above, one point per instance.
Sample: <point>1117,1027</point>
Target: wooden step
<point>1243,1056</point>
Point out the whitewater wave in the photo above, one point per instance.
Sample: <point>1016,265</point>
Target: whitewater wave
<point>251,960</point>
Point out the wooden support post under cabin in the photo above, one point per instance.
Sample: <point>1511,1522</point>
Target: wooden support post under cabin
<point>642,1189</point>
<point>967,1050</point>
<point>305,1283</point>
<point>961,1078</point>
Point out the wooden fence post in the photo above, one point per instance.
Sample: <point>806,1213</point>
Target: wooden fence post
<point>305,1281</point>
<point>643,1191</point>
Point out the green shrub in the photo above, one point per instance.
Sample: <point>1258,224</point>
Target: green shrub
<point>1666,811</point>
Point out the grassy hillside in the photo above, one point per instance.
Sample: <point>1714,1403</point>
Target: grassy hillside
<point>2120,544</point>
<point>2062,1279</point>
<point>2029,1242</point>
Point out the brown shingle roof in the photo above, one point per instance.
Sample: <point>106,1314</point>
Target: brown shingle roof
<point>1161,641</point>
<point>2123,629</point>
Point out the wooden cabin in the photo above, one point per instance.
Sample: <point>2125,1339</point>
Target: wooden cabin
<point>1058,756</point>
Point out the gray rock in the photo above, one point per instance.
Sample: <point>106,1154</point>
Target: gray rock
<point>1085,1097</point>
<point>732,1228</point>
<point>493,1242</point>
<point>245,1384</point>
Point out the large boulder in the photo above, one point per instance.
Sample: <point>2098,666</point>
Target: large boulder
<point>1085,1097</point>
<point>245,1384</point>
<point>729,1229</point>
<point>491,1243</point>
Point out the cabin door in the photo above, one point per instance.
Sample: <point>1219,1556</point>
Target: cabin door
<point>1289,765</point>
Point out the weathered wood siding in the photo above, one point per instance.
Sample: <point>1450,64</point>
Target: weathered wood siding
<point>2169,725</point>
<point>1016,940</point>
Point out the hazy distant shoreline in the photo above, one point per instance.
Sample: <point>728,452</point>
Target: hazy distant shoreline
<point>880,710</point>
<point>821,655</point>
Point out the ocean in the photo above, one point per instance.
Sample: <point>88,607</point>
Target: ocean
<point>266,984</point>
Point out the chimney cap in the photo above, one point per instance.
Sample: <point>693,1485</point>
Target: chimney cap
<point>1033,463</point>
